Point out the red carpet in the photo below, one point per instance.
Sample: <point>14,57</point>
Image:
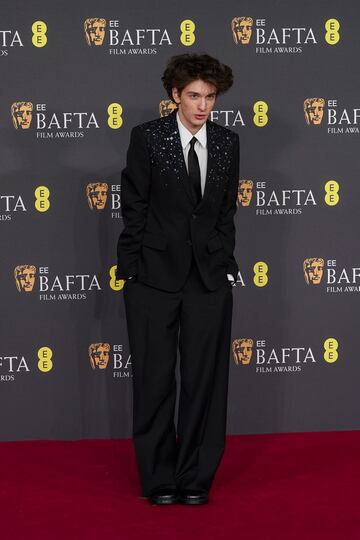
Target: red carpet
<point>296,486</point>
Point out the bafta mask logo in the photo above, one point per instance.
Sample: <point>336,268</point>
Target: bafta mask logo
<point>241,28</point>
<point>245,191</point>
<point>25,277</point>
<point>242,351</point>
<point>96,194</point>
<point>314,110</point>
<point>99,355</point>
<point>166,106</point>
<point>94,31</point>
<point>313,271</point>
<point>21,114</point>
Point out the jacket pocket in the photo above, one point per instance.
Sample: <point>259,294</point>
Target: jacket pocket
<point>214,243</point>
<point>155,241</point>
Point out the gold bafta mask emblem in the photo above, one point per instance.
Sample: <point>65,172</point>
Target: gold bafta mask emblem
<point>314,111</point>
<point>96,194</point>
<point>242,351</point>
<point>241,28</point>
<point>313,271</point>
<point>25,277</point>
<point>94,31</point>
<point>245,191</point>
<point>21,114</point>
<point>99,355</point>
<point>166,106</point>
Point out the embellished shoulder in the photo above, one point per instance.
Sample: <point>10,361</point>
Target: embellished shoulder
<point>163,142</point>
<point>161,123</point>
<point>222,131</point>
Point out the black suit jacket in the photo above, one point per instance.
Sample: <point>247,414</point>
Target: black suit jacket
<point>162,222</point>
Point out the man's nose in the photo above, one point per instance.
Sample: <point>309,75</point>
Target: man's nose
<point>202,104</point>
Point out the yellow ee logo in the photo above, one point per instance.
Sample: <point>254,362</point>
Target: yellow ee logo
<point>39,30</point>
<point>115,284</point>
<point>187,36</point>
<point>332,36</point>
<point>260,274</point>
<point>260,117</point>
<point>115,120</point>
<point>45,363</point>
<point>331,354</point>
<point>332,192</point>
<point>42,203</point>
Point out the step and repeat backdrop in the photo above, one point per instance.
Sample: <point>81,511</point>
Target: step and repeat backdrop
<point>75,78</point>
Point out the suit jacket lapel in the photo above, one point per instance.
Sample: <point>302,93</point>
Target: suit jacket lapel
<point>214,157</point>
<point>211,161</point>
<point>177,156</point>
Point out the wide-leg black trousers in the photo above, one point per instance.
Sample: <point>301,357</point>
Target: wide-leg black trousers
<point>198,322</point>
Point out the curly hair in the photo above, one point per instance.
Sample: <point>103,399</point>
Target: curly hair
<point>183,69</point>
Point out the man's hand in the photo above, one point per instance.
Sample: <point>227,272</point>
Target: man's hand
<point>231,278</point>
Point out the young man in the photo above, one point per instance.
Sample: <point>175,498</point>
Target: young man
<point>178,197</point>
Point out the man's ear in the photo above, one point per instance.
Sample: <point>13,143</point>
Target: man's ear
<point>175,95</point>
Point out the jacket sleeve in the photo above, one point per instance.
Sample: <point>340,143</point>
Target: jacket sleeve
<point>135,188</point>
<point>225,224</point>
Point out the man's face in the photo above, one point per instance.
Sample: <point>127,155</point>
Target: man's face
<point>245,193</point>
<point>315,112</point>
<point>101,357</point>
<point>98,197</point>
<point>97,33</point>
<point>195,103</point>
<point>23,116</point>
<point>26,279</point>
<point>244,31</point>
<point>315,272</point>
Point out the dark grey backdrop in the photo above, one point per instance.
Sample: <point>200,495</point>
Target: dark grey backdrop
<point>72,400</point>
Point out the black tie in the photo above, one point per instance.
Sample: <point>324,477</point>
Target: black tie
<point>194,169</point>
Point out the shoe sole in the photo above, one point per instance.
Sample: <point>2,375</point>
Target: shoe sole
<point>163,502</point>
<point>193,502</point>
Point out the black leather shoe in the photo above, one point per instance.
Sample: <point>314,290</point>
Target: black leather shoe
<point>193,496</point>
<point>163,496</point>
